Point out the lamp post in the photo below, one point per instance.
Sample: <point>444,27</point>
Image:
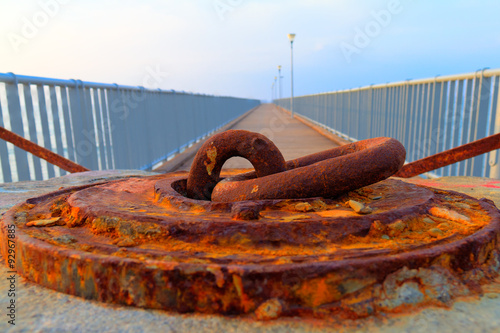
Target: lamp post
<point>274,85</point>
<point>291,37</point>
<point>279,81</point>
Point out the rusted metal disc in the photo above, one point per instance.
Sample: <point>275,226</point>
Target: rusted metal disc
<point>142,242</point>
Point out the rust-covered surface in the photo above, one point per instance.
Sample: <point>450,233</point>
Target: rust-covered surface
<point>207,165</point>
<point>325,174</point>
<point>388,247</point>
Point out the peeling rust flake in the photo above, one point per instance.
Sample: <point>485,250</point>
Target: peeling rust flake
<point>212,155</point>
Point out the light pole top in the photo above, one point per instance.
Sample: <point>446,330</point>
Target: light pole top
<point>291,37</point>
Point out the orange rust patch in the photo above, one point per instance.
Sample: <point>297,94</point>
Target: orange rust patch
<point>337,213</point>
<point>212,156</point>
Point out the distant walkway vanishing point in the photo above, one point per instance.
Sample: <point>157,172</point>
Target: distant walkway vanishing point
<point>292,137</point>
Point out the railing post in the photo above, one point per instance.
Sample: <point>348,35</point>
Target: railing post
<point>494,160</point>
<point>30,113</point>
<point>4,153</point>
<point>16,124</point>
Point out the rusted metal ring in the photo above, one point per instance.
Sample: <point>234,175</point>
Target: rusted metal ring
<point>325,174</point>
<point>207,165</point>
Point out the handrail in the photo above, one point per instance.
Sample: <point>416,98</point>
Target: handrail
<point>444,78</point>
<point>25,79</point>
<point>103,126</point>
<point>428,116</point>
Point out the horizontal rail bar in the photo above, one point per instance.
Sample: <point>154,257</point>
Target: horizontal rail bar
<point>24,79</point>
<point>444,78</point>
<point>14,78</point>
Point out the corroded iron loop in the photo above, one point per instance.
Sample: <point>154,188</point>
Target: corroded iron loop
<point>207,165</point>
<point>325,174</point>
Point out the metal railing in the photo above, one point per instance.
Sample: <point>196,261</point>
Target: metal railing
<point>427,115</point>
<point>103,126</point>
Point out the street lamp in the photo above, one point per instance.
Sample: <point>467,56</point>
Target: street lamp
<point>291,37</point>
<point>274,86</point>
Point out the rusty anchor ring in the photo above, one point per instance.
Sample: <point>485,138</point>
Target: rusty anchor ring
<point>207,165</point>
<point>324,174</point>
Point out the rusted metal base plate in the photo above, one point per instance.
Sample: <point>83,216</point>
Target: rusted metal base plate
<point>140,242</point>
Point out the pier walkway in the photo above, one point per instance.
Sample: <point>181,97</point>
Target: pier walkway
<point>293,138</point>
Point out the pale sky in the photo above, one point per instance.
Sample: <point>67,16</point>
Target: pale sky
<point>233,47</point>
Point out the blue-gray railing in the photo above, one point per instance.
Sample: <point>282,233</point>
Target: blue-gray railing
<point>103,126</point>
<point>428,116</point>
